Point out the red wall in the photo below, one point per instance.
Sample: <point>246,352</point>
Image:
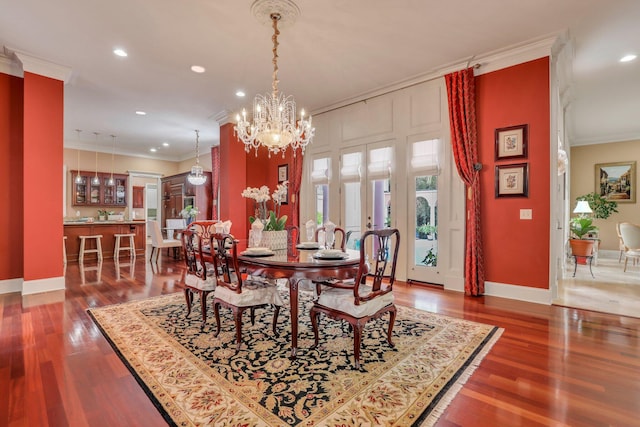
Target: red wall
<point>11,196</point>
<point>516,251</point>
<point>43,169</point>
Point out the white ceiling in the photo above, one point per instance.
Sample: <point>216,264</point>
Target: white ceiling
<point>336,51</point>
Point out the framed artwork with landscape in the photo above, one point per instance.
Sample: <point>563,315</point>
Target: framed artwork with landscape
<point>616,181</point>
<point>512,180</point>
<point>511,142</point>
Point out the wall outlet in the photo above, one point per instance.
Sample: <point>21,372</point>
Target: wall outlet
<point>526,214</point>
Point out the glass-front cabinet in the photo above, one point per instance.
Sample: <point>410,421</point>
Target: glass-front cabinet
<point>96,190</point>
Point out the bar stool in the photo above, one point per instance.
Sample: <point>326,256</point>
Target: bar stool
<point>97,250</point>
<point>64,249</point>
<point>131,248</point>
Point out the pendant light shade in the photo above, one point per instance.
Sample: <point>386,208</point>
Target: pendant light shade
<point>78,177</point>
<point>111,182</point>
<point>197,176</point>
<point>95,180</point>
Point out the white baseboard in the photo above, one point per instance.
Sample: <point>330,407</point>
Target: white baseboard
<point>520,293</point>
<point>10,285</point>
<point>43,285</point>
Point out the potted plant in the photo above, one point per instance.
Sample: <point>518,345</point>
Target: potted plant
<point>581,244</point>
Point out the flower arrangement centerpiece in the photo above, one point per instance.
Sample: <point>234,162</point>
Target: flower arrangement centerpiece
<point>189,213</point>
<point>270,217</point>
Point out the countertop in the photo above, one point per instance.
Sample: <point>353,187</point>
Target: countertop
<point>84,222</point>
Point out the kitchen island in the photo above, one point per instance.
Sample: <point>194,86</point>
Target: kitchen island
<point>108,229</point>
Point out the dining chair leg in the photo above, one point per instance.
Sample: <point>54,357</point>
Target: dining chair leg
<point>357,339</point>
<point>188,296</point>
<point>216,313</point>
<point>237,319</point>
<point>203,307</point>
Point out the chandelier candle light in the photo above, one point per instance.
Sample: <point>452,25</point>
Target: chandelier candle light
<point>197,177</point>
<point>274,115</point>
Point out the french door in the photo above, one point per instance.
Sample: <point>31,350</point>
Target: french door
<point>366,197</point>
<point>425,258</point>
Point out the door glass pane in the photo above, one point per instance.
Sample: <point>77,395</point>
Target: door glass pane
<point>426,234</point>
<point>352,213</point>
<point>322,203</point>
<point>381,204</point>
<point>95,192</point>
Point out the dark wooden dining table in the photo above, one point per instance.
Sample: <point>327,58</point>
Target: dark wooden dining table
<point>296,265</point>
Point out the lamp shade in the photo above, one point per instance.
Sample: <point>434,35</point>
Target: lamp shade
<point>582,207</point>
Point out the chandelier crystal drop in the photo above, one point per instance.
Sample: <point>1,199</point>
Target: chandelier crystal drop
<point>274,123</point>
<point>197,177</point>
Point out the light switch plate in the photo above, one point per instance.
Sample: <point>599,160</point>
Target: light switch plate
<point>526,214</point>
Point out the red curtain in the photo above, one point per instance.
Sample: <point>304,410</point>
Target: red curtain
<point>294,186</point>
<point>462,119</point>
<point>215,179</point>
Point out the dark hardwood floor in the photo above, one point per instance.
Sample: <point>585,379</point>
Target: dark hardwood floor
<point>553,366</point>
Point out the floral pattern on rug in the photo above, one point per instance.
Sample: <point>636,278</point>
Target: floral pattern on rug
<point>199,379</point>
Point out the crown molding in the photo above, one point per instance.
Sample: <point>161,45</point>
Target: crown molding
<point>604,139</point>
<point>485,63</point>
<point>42,67</point>
<point>10,67</point>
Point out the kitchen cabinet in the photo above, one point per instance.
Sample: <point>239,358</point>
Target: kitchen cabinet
<point>138,197</point>
<point>88,193</point>
<point>178,192</point>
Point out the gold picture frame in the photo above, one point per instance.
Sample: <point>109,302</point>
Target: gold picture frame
<point>512,180</point>
<point>616,181</point>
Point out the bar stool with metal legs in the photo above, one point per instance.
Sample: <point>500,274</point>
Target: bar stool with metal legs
<point>131,248</point>
<point>97,250</point>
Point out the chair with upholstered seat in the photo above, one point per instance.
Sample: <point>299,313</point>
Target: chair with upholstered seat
<point>235,293</point>
<point>631,238</point>
<point>158,242</point>
<point>339,237</point>
<point>197,279</point>
<point>371,298</point>
<point>621,247</point>
<point>174,227</point>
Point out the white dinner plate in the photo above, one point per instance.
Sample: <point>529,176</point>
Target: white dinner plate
<point>257,252</point>
<point>330,254</point>
<point>308,245</point>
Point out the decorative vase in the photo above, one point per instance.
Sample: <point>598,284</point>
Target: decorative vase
<point>274,239</point>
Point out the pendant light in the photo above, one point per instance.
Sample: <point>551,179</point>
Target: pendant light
<point>110,181</point>
<point>197,177</point>
<point>78,177</point>
<point>95,180</point>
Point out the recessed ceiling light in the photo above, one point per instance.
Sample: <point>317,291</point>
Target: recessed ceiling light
<point>197,69</point>
<point>141,113</point>
<point>153,150</point>
<point>120,52</point>
<point>240,94</point>
<point>165,144</point>
<point>628,58</point>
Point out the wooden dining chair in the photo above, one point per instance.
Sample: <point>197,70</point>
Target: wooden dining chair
<point>235,293</point>
<point>371,298</point>
<point>198,278</point>
<point>158,242</point>
<point>339,234</point>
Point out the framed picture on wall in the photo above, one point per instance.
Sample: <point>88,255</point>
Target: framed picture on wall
<point>283,175</point>
<point>512,180</point>
<point>511,142</point>
<point>617,181</point>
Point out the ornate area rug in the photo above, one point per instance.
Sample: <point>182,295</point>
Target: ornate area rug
<point>195,379</point>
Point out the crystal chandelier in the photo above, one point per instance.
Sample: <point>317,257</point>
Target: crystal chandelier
<point>197,177</point>
<point>274,115</point>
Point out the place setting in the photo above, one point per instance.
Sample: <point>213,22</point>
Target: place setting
<point>330,254</point>
<point>258,252</point>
